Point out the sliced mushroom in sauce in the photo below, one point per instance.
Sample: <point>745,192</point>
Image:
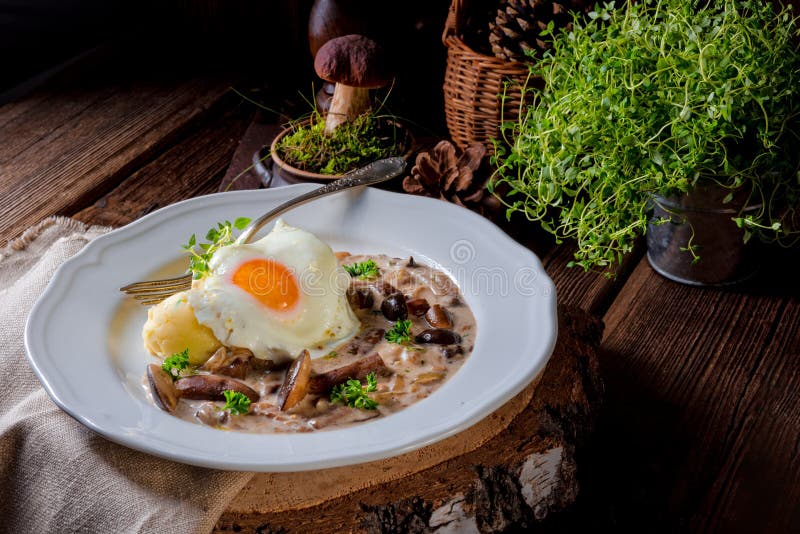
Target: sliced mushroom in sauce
<point>358,370</point>
<point>165,394</point>
<point>234,362</point>
<point>438,317</point>
<point>212,387</point>
<point>295,385</point>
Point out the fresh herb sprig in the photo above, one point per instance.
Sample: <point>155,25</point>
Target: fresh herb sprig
<point>400,332</point>
<point>177,363</point>
<point>238,403</point>
<point>354,394</point>
<point>218,236</point>
<point>364,270</point>
<point>652,98</point>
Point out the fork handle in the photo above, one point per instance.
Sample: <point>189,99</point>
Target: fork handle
<point>372,173</point>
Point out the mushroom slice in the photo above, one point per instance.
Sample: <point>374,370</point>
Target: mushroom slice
<point>427,378</point>
<point>212,387</point>
<point>234,362</point>
<point>358,370</point>
<point>417,307</point>
<point>360,298</point>
<point>438,317</point>
<point>340,417</point>
<point>165,394</point>
<point>362,343</point>
<point>394,307</point>
<point>210,414</point>
<point>438,336</point>
<point>381,287</point>
<point>295,385</point>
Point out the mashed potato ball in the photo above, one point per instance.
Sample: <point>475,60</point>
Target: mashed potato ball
<point>172,327</point>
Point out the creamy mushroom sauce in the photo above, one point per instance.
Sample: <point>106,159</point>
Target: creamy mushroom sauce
<point>415,370</point>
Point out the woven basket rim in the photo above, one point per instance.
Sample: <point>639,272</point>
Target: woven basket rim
<point>473,83</point>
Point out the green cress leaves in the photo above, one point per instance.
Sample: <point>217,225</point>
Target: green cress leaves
<point>364,270</point>
<point>400,332</point>
<point>237,403</point>
<point>218,236</point>
<point>354,394</point>
<point>177,363</point>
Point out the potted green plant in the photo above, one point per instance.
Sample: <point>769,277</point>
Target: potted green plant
<point>675,119</point>
<point>353,131</point>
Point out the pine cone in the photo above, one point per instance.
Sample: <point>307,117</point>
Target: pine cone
<point>475,27</point>
<point>516,29</point>
<point>444,174</point>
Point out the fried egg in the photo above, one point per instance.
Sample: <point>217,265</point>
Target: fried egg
<point>277,296</point>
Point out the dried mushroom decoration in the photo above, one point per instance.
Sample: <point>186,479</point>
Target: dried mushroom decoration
<point>459,178</point>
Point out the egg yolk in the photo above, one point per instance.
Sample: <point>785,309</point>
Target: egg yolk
<point>272,283</point>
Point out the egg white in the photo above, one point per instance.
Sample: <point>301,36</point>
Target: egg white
<point>238,319</point>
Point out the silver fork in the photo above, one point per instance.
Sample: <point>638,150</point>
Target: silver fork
<point>154,291</point>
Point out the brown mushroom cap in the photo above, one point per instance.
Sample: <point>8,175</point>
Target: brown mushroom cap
<point>165,394</point>
<point>352,60</point>
<point>295,384</point>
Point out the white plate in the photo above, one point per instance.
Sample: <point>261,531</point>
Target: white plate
<point>83,336</point>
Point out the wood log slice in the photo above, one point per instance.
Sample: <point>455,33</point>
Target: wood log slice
<point>509,471</point>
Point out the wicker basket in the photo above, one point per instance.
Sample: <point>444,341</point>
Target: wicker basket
<point>473,85</point>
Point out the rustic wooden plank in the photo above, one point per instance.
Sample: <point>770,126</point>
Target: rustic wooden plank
<point>103,135</point>
<point>759,483</point>
<point>591,291</point>
<point>40,119</point>
<point>758,486</point>
<point>678,362</point>
<point>192,167</point>
<point>240,173</point>
<point>13,110</point>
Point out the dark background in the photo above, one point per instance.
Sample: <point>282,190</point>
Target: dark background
<point>261,44</point>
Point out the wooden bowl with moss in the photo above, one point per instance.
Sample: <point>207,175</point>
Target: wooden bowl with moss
<point>303,152</point>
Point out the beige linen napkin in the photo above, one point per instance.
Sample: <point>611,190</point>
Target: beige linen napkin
<point>55,474</point>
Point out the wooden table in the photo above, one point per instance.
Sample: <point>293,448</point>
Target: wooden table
<point>701,427</point>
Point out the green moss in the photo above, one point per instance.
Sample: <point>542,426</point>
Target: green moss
<point>352,144</point>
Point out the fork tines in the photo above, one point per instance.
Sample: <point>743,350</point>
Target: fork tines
<point>154,291</point>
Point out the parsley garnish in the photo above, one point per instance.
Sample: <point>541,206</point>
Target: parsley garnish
<point>354,394</point>
<point>237,403</point>
<point>218,237</point>
<point>176,363</point>
<point>399,333</point>
<point>364,269</point>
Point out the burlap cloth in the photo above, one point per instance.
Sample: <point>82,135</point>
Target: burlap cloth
<point>55,474</point>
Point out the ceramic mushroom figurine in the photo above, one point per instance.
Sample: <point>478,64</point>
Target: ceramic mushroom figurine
<point>355,64</point>
<point>329,19</point>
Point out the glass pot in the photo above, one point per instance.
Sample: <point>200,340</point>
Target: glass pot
<point>703,220</point>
